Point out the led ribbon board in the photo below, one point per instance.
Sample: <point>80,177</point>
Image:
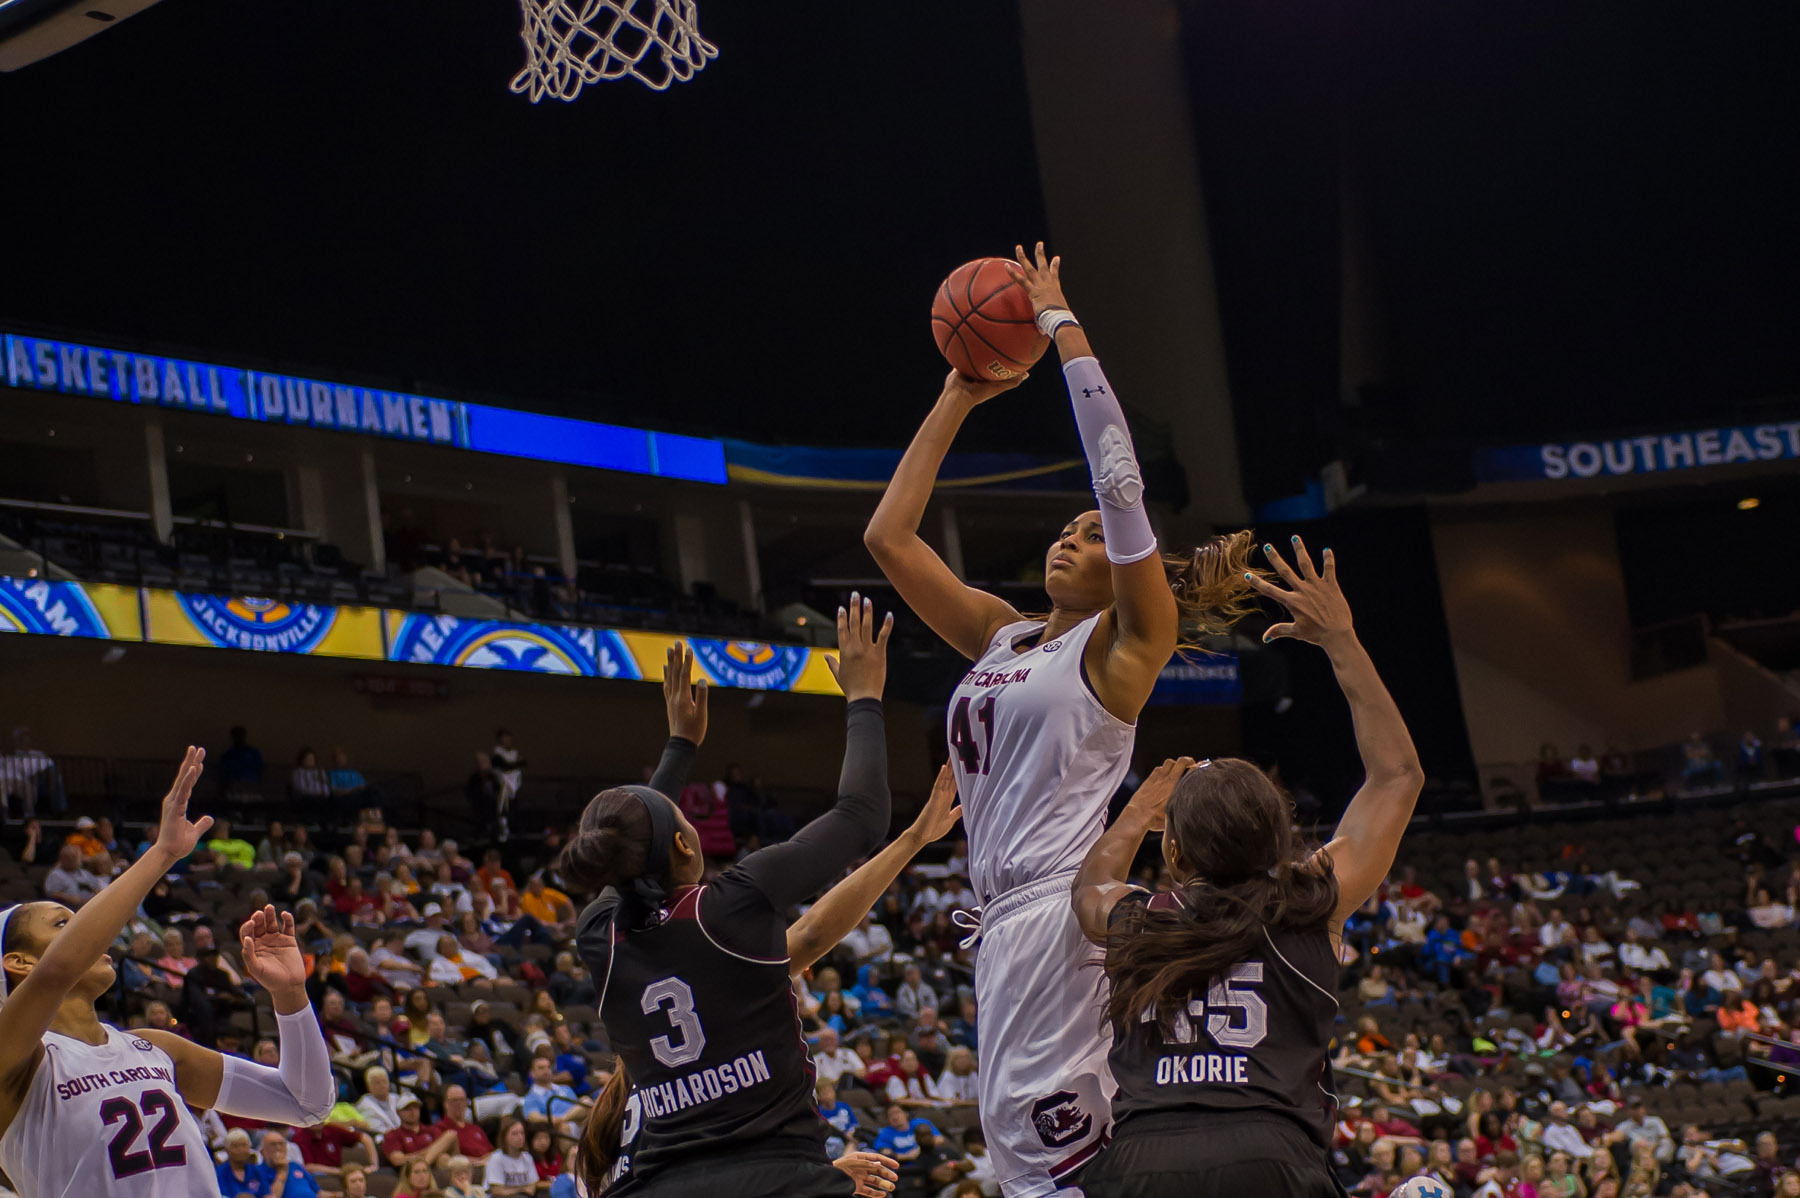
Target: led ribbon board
<point>39,607</point>
<point>232,392</point>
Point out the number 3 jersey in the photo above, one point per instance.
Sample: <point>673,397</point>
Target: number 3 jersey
<point>106,1121</point>
<point>1258,1041</point>
<point>712,1040</point>
<point>1036,756</point>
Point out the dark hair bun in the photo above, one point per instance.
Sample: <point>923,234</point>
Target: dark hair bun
<point>611,845</point>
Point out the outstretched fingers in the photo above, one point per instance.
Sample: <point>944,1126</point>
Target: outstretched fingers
<point>1281,567</point>
<point>1263,586</point>
<point>1304,558</point>
<point>192,763</point>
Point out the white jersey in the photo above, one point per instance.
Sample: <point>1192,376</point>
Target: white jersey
<point>1037,758</point>
<point>106,1121</point>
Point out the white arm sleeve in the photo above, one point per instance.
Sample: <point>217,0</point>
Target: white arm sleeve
<point>1118,483</point>
<point>300,1091</point>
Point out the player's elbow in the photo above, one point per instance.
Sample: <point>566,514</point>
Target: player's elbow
<point>881,541</point>
<point>317,1106</point>
<point>1402,779</point>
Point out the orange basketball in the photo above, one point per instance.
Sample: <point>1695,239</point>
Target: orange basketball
<point>983,321</point>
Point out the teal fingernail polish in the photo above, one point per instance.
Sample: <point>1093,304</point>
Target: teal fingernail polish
<point>1246,578</point>
<point>1296,538</point>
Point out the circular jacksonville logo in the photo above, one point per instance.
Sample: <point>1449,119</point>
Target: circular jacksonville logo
<point>493,645</point>
<point>269,625</point>
<point>751,665</point>
<point>37,605</point>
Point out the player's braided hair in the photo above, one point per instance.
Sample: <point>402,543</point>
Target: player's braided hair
<point>1233,830</point>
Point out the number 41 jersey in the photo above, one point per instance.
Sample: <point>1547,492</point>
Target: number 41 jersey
<point>712,1040</point>
<point>106,1121</point>
<point>1036,758</point>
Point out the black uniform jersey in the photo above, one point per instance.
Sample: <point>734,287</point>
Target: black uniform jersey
<point>700,1008</point>
<point>1258,1041</point>
<point>713,1044</point>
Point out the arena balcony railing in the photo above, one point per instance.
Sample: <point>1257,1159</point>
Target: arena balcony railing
<point>56,540</point>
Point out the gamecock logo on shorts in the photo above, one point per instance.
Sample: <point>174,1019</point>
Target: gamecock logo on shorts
<point>1060,1119</point>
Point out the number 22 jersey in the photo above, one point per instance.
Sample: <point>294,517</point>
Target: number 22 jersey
<point>1036,756</point>
<point>106,1121</point>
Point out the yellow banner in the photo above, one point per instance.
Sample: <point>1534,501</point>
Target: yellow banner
<point>262,625</point>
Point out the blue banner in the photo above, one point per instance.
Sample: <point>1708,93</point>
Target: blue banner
<point>751,665</point>
<point>1209,679</point>
<point>1690,449</point>
<point>37,605</point>
<point>67,368</point>
<point>502,645</point>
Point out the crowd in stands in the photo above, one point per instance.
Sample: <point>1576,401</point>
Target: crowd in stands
<point>1613,775</point>
<point>460,1020</point>
<point>1597,1009</point>
<point>1591,1009</point>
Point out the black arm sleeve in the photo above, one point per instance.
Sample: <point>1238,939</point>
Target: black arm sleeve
<point>773,879</point>
<point>671,776</point>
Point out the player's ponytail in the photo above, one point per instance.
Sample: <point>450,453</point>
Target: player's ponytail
<point>601,1140</point>
<point>1250,876</point>
<point>1210,590</point>
<point>611,845</point>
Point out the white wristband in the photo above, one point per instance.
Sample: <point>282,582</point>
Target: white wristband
<point>1052,319</point>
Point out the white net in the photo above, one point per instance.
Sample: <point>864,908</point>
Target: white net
<point>572,43</point>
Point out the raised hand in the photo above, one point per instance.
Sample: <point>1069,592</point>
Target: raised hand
<point>861,664</point>
<point>271,951</point>
<point>941,810</point>
<point>973,392</point>
<point>1152,798</point>
<point>1042,277</point>
<point>176,834</point>
<point>1317,611</point>
<point>873,1173</point>
<point>685,701</point>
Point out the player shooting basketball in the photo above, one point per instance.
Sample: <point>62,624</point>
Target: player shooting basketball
<point>1041,732</point>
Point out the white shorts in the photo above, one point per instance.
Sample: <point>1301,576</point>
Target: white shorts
<point>1046,1090</point>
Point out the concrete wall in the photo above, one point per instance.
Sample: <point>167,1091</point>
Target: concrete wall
<point>1535,601</point>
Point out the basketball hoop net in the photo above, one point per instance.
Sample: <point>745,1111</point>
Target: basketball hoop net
<point>572,43</point>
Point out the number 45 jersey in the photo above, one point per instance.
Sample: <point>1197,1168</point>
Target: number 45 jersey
<point>1258,1040</point>
<point>106,1121</point>
<point>713,1044</point>
<point>1036,756</point>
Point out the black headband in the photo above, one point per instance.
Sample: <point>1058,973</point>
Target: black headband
<point>652,886</point>
<point>647,901</point>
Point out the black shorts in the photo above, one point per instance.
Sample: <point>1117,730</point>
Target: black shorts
<point>758,1177</point>
<point>1196,1155</point>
